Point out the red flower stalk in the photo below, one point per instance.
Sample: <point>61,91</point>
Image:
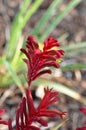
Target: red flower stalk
<point>83,110</point>
<point>26,117</point>
<point>2,111</point>
<point>37,59</point>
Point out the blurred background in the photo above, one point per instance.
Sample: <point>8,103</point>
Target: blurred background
<point>62,19</point>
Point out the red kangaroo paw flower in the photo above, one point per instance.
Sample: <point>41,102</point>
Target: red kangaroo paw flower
<point>38,59</point>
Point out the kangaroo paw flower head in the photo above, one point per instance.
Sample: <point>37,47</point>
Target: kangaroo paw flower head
<point>38,59</point>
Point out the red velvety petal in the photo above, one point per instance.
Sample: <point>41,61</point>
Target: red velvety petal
<point>32,42</point>
<point>41,73</point>
<point>2,111</point>
<point>47,113</point>
<point>36,118</point>
<point>49,43</point>
<point>83,110</point>
<point>30,102</point>
<point>82,128</point>
<point>48,99</point>
<point>3,122</point>
<point>10,124</point>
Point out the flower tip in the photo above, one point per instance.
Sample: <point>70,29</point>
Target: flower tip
<point>62,114</point>
<point>83,110</point>
<point>2,111</point>
<point>30,38</point>
<point>22,50</point>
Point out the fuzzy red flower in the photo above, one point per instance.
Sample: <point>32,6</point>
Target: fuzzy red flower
<point>26,117</point>
<point>83,110</point>
<point>82,128</point>
<point>2,111</point>
<point>37,59</point>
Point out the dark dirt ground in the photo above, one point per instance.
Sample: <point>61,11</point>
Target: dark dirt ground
<point>75,25</point>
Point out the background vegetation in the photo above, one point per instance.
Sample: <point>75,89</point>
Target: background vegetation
<point>41,18</point>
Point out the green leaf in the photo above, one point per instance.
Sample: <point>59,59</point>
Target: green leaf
<point>58,18</point>
<point>74,46</point>
<point>60,124</point>
<point>63,37</point>
<point>74,66</point>
<point>14,76</point>
<point>16,57</point>
<point>46,16</point>
<point>60,88</point>
<point>15,32</point>
<point>17,27</point>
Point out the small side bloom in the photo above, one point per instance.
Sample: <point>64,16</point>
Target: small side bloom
<point>82,128</point>
<point>38,59</point>
<point>83,110</point>
<point>49,98</point>
<point>27,114</point>
<point>2,111</point>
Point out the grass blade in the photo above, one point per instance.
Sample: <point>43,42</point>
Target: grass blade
<point>58,19</point>
<point>60,124</point>
<point>46,17</point>
<point>14,76</point>
<point>74,66</point>
<point>61,88</point>
<point>17,53</point>
<point>18,25</point>
<point>74,46</point>
<point>29,13</point>
<point>14,28</point>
